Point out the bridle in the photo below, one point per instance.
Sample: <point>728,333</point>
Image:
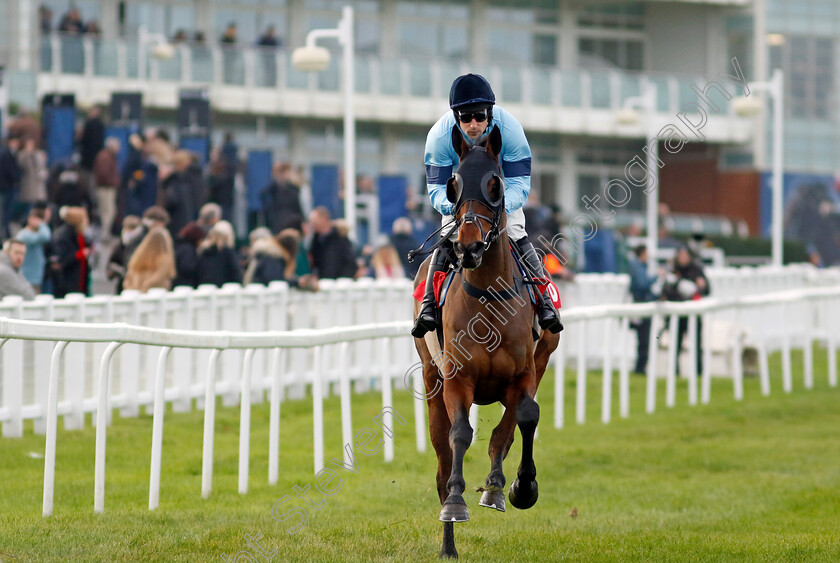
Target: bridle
<point>472,217</point>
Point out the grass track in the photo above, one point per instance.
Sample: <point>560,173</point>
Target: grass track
<point>757,480</point>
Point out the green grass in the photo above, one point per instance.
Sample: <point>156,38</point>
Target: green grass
<point>757,480</point>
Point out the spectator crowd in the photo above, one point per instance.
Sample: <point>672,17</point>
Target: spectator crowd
<point>162,220</point>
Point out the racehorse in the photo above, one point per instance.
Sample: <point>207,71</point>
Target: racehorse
<point>488,351</point>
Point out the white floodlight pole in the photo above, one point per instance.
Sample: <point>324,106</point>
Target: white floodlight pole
<point>344,34</point>
<point>775,89</point>
<point>649,101</point>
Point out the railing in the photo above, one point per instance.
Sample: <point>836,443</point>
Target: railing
<point>254,309</point>
<point>261,67</point>
<point>822,305</point>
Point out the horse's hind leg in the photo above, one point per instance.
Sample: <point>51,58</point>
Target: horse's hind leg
<point>523,492</point>
<point>458,399</point>
<point>500,442</point>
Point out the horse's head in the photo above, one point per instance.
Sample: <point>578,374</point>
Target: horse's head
<point>478,193</point>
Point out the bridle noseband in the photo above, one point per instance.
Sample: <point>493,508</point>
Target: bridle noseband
<point>487,238</point>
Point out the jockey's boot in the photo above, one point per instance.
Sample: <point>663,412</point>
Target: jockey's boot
<point>547,315</point>
<point>426,318</point>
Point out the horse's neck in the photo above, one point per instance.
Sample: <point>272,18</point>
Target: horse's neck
<point>496,262</point>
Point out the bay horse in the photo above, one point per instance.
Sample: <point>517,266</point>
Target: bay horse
<point>502,364</point>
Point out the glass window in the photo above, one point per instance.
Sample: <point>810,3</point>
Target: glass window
<point>809,64</point>
<point>432,29</point>
<point>545,49</point>
<point>611,53</point>
<point>629,15</point>
<point>508,44</point>
<point>367,31</point>
<point>150,16</point>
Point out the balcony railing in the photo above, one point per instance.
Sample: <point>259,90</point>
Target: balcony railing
<point>269,68</point>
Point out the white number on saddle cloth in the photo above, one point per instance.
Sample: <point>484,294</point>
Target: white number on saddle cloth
<point>553,292</point>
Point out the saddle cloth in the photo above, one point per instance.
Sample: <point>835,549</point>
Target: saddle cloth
<point>544,284</point>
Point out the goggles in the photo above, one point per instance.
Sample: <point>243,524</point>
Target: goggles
<point>468,116</point>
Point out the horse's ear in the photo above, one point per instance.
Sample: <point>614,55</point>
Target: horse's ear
<point>494,143</point>
<point>458,143</point>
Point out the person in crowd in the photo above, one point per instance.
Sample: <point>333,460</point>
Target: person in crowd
<point>115,270</point>
<point>195,179</point>
<point>186,255</point>
<point>71,22</point>
<point>229,55</point>
<point>45,17</point>
<point>229,35</point>
<point>152,264</point>
<point>12,281</point>
<point>72,192</point>
<point>91,141</point>
<point>280,200</point>
<point>642,288</point>
<point>218,261</point>
<point>269,43</point>
<point>25,127</point>
<point>273,258</point>
<point>10,177</point>
<point>35,235</point>
<point>33,168</point>
<point>230,152</point>
<point>209,215</point>
<point>140,178</point>
<point>180,37</point>
<point>269,38</point>
<point>106,178</point>
<point>332,253</point>
<point>666,238</point>
<point>687,282</point>
<point>403,240</point>
<point>178,192</point>
<point>385,263</point>
<point>266,259</point>
<point>159,148</point>
<point>220,182</point>
<point>154,217</point>
<point>71,251</point>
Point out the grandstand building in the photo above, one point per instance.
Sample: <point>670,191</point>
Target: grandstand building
<point>565,68</point>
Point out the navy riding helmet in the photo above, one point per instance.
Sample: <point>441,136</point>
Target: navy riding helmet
<point>471,92</point>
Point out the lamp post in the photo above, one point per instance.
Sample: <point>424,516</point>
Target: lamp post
<point>628,115</point>
<point>745,107</point>
<point>311,58</point>
<point>162,49</point>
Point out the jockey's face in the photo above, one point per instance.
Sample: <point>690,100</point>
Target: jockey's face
<point>473,123</point>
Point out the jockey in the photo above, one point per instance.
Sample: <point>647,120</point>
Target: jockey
<point>472,101</point>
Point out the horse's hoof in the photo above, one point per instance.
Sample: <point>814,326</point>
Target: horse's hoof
<point>444,554</point>
<point>454,513</point>
<point>523,497</point>
<point>493,499</point>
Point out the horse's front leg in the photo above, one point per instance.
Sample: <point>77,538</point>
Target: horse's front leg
<point>500,442</point>
<point>523,492</point>
<point>458,398</point>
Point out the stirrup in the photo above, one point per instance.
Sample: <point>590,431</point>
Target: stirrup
<point>426,321</point>
<point>547,316</point>
<point>551,324</point>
